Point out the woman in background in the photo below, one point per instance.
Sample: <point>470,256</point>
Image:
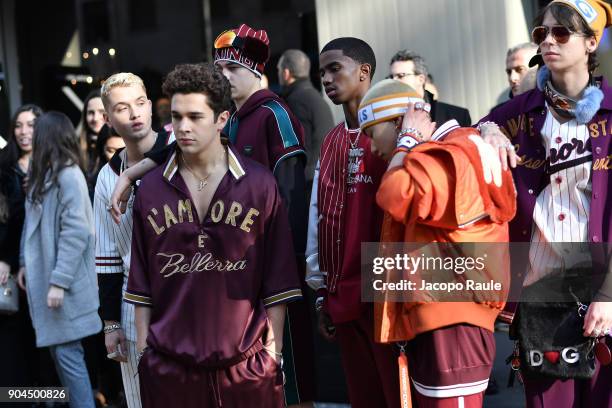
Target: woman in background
<point>16,333</point>
<point>58,253</point>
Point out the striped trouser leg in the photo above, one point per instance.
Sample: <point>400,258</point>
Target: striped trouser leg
<point>129,373</point>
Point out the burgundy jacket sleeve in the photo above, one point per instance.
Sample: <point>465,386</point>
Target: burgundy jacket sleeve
<point>280,276</point>
<point>138,289</point>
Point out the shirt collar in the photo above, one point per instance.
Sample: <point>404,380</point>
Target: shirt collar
<point>234,162</point>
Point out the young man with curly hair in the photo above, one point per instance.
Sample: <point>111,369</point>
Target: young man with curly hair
<point>207,281</point>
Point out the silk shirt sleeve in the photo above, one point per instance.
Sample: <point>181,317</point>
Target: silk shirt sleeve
<point>280,277</point>
<point>138,289</point>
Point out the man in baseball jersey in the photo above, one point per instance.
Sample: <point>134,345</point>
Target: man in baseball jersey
<point>264,128</point>
<point>128,111</point>
<point>347,182</point>
<point>211,267</point>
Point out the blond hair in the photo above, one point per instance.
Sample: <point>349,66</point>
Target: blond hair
<point>117,80</point>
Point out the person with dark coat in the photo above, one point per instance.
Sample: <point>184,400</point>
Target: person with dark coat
<point>410,68</point>
<point>306,103</point>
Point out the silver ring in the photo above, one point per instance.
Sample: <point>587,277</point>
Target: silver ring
<point>596,332</point>
<point>418,106</point>
<point>427,108</point>
<point>109,207</point>
<point>606,332</point>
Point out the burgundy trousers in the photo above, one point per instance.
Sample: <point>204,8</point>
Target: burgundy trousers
<point>254,382</point>
<point>370,368</point>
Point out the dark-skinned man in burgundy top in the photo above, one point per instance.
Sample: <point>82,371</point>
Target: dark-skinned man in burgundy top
<point>209,275</point>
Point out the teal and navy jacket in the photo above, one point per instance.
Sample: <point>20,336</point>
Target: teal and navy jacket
<point>265,129</point>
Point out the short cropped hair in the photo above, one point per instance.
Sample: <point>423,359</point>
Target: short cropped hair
<point>420,67</point>
<point>117,80</point>
<point>297,62</point>
<point>204,78</point>
<point>354,48</point>
<point>523,46</point>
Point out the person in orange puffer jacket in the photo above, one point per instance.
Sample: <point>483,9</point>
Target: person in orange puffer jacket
<point>449,190</point>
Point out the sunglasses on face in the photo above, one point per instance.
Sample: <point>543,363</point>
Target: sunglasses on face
<point>560,33</point>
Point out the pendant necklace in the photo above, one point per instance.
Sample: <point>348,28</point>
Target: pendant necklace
<point>202,182</point>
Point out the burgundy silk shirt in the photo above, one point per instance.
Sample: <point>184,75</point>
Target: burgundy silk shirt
<point>209,284</point>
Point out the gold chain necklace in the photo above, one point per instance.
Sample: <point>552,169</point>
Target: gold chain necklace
<point>202,182</point>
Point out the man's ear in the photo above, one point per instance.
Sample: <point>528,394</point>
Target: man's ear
<point>365,72</point>
<point>222,119</point>
<point>286,74</point>
<point>591,44</point>
<point>106,119</point>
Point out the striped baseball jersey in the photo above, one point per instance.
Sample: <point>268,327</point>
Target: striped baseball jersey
<point>561,212</point>
<point>209,283</point>
<point>113,242</point>
<point>349,177</point>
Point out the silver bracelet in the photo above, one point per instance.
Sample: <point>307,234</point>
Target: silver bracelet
<point>410,132</point>
<point>111,328</point>
<point>487,123</point>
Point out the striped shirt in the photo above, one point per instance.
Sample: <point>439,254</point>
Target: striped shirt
<point>561,213</point>
<point>113,242</point>
<point>349,177</point>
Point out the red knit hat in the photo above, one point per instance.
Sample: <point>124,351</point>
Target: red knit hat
<point>244,46</point>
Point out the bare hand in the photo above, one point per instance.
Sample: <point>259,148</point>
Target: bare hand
<point>21,278</point>
<point>5,271</point>
<point>494,136</point>
<point>116,339</point>
<point>119,198</point>
<point>55,297</point>
<point>598,319</point>
<point>326,327</point>
<point>420,120</point>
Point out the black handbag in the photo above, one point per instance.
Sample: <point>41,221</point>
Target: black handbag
<point>9,296</point>
<point>549,333</point>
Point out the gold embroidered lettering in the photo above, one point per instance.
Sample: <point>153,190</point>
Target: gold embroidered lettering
<point>170,217</point>
<point>216,212</point>
<point>158,230</point>
<point>248,220</point>
<point>594,130</point>
<point>184,207</point>
<point>603,123</point>
<point>513,126</point>
<point>233,212</point>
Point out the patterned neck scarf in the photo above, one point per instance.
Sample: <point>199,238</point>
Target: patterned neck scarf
<point>563,105</point>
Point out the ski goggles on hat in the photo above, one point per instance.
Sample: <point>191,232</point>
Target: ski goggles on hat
<point>226,39</point>
<point>560,33</point>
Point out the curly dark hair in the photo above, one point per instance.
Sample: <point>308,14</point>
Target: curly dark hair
<point>567,16</point>
<point>202,78</point>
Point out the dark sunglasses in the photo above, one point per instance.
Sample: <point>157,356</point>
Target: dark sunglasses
<point>560,33</point>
